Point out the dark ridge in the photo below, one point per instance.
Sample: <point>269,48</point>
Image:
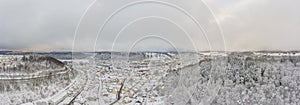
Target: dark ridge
<point>51,59</point>
<point>40,58</point>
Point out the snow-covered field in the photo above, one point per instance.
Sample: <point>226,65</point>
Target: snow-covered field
<point>157,79</point>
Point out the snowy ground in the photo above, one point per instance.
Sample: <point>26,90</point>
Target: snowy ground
<point>184,79</point>
<point>250,80</point>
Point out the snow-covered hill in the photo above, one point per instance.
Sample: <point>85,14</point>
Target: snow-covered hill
<point>237,79</point>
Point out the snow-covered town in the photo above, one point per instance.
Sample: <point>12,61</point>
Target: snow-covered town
<point>154,78</point>
<point>149,52</point>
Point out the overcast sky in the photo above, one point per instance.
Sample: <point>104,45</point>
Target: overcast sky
<point>247,25</point>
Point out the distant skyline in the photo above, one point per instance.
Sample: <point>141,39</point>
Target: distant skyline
<point>247,25</point>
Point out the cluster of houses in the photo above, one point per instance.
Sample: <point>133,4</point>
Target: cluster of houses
<point>140,77</point>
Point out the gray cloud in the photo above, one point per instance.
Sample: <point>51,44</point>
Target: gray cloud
<point>247,25</point>
<point>40,25</point>
<point>259,24</point>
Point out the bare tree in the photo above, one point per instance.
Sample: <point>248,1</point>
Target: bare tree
<point>119,93</point>
<point>294,60</point>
